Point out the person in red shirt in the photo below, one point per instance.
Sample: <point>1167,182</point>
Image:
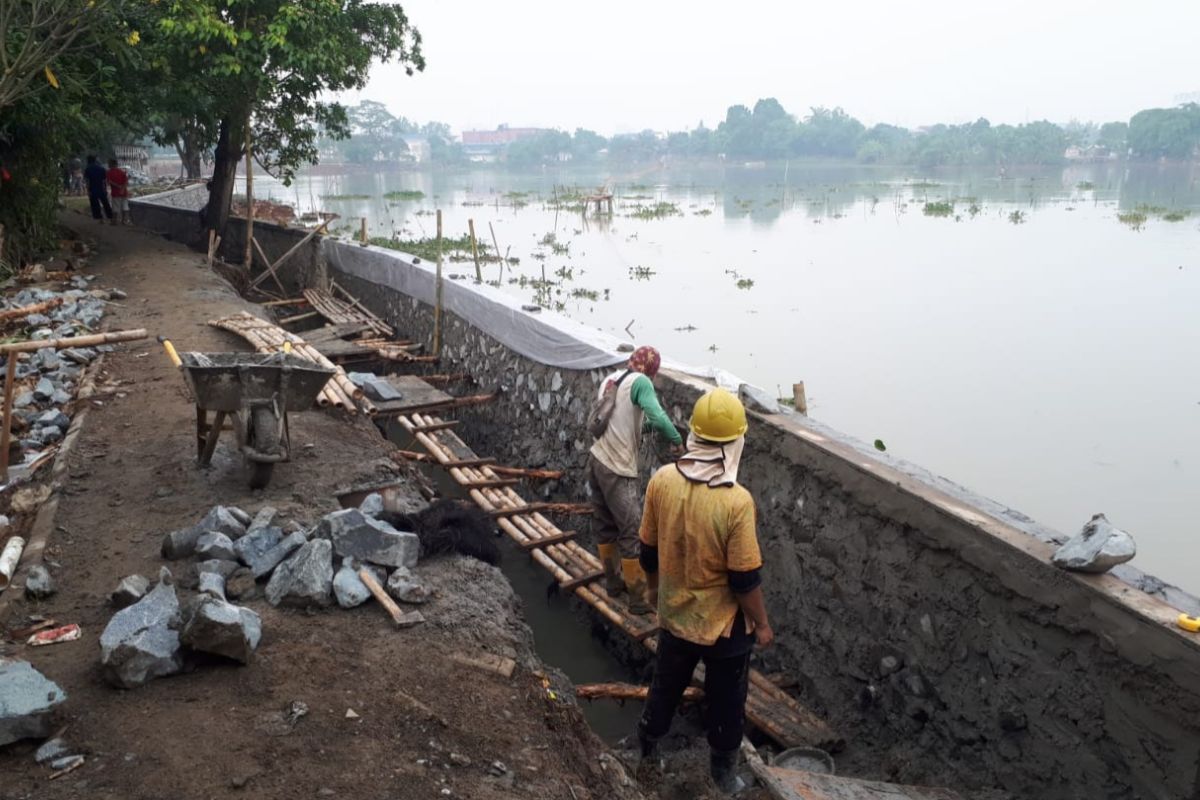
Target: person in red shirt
<point>118,188</point>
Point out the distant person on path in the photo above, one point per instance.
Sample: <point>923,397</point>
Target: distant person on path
<point>97,185</point>
<point>613,472</point>
<point>118,186</point>
<point>76,167</point>
<point>699,549</point>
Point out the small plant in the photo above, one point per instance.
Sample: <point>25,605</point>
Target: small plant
<point>1175,216</point>
<point>659,210</point>
<point>1017,217</point>
<point>974,210</point>
<point>640,273</point>
<point>586,294</point>
<point>745,283</point>
<point>1134,219</point>
<point>940,208</point>
<point>704,212</point>
<point>405,194</point>
<point>343,197</point>
<point>1085,186</point>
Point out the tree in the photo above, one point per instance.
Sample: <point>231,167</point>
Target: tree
<point>1114,136</point>
<point>1165,132</point>
<point>267,65</point>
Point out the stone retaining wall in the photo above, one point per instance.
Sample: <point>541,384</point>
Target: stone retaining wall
<point>926,624</point>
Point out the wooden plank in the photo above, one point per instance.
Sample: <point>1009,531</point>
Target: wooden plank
<point>546,541</point>
<point>491,483</point>
<point>582,580</point>
<point>488,662</point>
<point>790,784</point>
<point>627,691</point>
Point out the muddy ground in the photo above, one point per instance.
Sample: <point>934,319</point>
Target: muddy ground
<point>422,726</point>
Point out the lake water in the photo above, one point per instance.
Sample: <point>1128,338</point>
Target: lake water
<point>1029,345</point>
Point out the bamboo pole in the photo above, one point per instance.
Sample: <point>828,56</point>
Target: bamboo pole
<point>363,238</point>
<point>499,257</point>
<point>475,251</point>
<point>249,260</point>
<point>437,307</point>
<point>24,311</point>
<point>76,341</point>
<point>267,263</point>
<point>10,374</point>
<point>627,691</point>
<point>319,229</point>
<point>799,398</point>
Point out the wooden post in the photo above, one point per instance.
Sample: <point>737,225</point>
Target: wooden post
<point>499,257</point>
<point>249,260</point>
<point>363,237</point>
<point>212,236</point>
<point>10,374</point>
<point>437,290</point>
<point>799,398</point>
<point>475,251</point>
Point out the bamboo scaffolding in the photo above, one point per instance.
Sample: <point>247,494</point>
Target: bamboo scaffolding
<point>272,267</point>
<point>340,312</point>
<point>269,338</point>
<point>768,707</point>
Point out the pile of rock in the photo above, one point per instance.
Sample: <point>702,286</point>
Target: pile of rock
<point>242,557</point>
<point>47,379</point>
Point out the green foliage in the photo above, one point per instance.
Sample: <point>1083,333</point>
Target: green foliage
<point>940,208</point>
<point>451,249</point>
<point>1172,133</point>
<point>344,197</point>
<point>660,210</point>
<point>1017,217</point>
<point>405,194</point>
<point>1134,219</point>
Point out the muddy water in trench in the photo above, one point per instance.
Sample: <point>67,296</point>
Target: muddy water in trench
<point>562,635</point>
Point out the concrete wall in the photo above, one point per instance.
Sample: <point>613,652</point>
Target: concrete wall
<point>926,624</point>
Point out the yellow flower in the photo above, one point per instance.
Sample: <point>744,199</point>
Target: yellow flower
<point>50,77</point>
<point>134,37</point>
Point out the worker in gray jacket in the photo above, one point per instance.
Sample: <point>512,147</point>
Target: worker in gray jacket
<point>613,473</point>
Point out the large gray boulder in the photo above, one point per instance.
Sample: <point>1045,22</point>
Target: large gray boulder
<point>141,642</point>
<point>304,579</point>
<point>348,588</point>
<point>1097,548</point>
<point>130,590</point>
<point>256,544</point>
<point>27,697</point>
<point>182,543</point>
<point>262,565</point>
<point>211,584</point>
<point>223,629</point>
<point>404,586</point>
<point>263,518</point>
<point>364,538</point>
<point>215,545</point>
<point>372,505</point>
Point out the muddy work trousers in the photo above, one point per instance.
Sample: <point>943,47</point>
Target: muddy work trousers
<point>617,508</point>
<point>726,678</point>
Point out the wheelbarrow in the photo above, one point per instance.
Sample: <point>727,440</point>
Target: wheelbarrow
<point>255,391</point>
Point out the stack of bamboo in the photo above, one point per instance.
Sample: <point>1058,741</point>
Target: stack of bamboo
<point>339,392</point>
<point>339,311</point>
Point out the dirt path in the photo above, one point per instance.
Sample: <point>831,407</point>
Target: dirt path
<point>207,733</point>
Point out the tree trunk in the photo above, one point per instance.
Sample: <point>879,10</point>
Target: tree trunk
<point>231,143</point>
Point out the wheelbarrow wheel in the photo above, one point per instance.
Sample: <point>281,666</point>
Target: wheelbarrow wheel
<point>264,437</point>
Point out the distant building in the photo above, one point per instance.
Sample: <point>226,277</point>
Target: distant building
<point>489,145</point>
<point>131,155</point>
<point>1094,152</point>
<point>419,150</point>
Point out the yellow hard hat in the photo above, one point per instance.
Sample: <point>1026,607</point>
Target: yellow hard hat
<point>718,417</point>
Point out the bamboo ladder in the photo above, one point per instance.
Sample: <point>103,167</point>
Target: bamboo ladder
<point>577,570</point>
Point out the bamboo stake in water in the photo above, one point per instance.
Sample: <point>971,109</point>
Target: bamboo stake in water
<point>475,251</point>
<point>499,257</point>
<point>437,290</point>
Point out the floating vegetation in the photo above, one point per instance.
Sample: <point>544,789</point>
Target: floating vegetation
<point>556,247</point>
<point>640,273</point>
<point>712,348</point>
<point>880,446</point>
<point>941,208</point>
<point>452,249</point>
<point>1016,217</point>
<point>924,185</point>
<point>1175,216</point>
<point>974,209</point>
<point>473,203</point>
<point>1162,212</point>
<point>1134,219</point>
<point>405,194</point>
<point>345,197</point>
<point>1085,186</point>
<point>745,283</point>
<point>565,273</point>
<point>660,210</point>
<point>585,294</point>
<point>687,328</point>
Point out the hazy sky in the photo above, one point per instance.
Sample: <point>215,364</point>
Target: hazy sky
<point>620,65</point>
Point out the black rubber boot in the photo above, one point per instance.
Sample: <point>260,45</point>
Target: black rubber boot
<point>723,768</point>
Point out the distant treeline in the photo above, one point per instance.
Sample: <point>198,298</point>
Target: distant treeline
<point>767,131</point>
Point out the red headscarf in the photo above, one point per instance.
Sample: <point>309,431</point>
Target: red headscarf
<point>645,360</point>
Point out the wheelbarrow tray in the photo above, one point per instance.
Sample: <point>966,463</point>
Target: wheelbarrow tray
<point>233,381</point>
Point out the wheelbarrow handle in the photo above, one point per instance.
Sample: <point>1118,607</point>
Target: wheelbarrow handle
<point>170,348</point>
